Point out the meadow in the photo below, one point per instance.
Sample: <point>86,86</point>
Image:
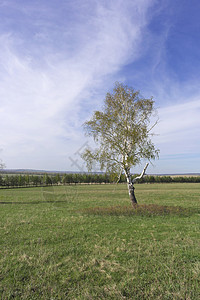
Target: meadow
<point>87,242</point>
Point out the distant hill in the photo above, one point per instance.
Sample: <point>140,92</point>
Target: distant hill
<point>31,171</point>
<point>177,174</point>
<point>41,172</point>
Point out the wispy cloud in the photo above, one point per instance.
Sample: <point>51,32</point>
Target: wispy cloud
<point>58,61</point>
<point>179,123</point>
<point>51,69</point>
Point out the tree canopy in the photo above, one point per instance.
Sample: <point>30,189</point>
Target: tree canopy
<point>122,131</point>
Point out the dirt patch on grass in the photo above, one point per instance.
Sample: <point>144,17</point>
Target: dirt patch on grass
<point>140,209</point>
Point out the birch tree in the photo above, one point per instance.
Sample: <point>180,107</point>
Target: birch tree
<point>122,131</point>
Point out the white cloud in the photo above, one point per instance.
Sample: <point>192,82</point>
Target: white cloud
<point>179,137</point>
<point>181,117</point>
<point>46,88</point>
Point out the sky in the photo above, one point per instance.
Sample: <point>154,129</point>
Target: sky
<point>58,59</point>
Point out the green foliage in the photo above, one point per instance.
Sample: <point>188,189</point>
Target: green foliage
<point>121,130</point>
<point>47,180</point>
<point>1,180</point>
<point>37,180</point>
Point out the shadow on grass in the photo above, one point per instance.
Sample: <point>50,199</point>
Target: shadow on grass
<point>140,210</point>
<point>33,202</point>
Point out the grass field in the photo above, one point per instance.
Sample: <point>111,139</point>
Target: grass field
<point>86,242</point>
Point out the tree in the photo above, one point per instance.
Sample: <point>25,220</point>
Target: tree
<point>47,180</point>
<point>1,180</point>
<point>2,165</point>
<point>123,133</point>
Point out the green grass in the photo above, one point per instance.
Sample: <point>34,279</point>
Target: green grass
<point>85,242</point>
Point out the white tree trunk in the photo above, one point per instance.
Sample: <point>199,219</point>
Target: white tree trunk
<point>130,183</point>
<point>130,187</point>
<point>142,174</point>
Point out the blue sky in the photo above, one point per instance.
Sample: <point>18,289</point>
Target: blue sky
<point>59,58</point>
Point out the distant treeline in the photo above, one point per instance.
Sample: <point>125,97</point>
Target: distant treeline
<point>58,179</point>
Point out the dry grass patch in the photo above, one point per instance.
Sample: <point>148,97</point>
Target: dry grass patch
<point>139,209</point>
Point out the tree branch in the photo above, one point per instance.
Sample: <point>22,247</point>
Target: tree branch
<point>142,174</point>
<point>156,122</point>
<point>119,176</point>
<point>115,160</point>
